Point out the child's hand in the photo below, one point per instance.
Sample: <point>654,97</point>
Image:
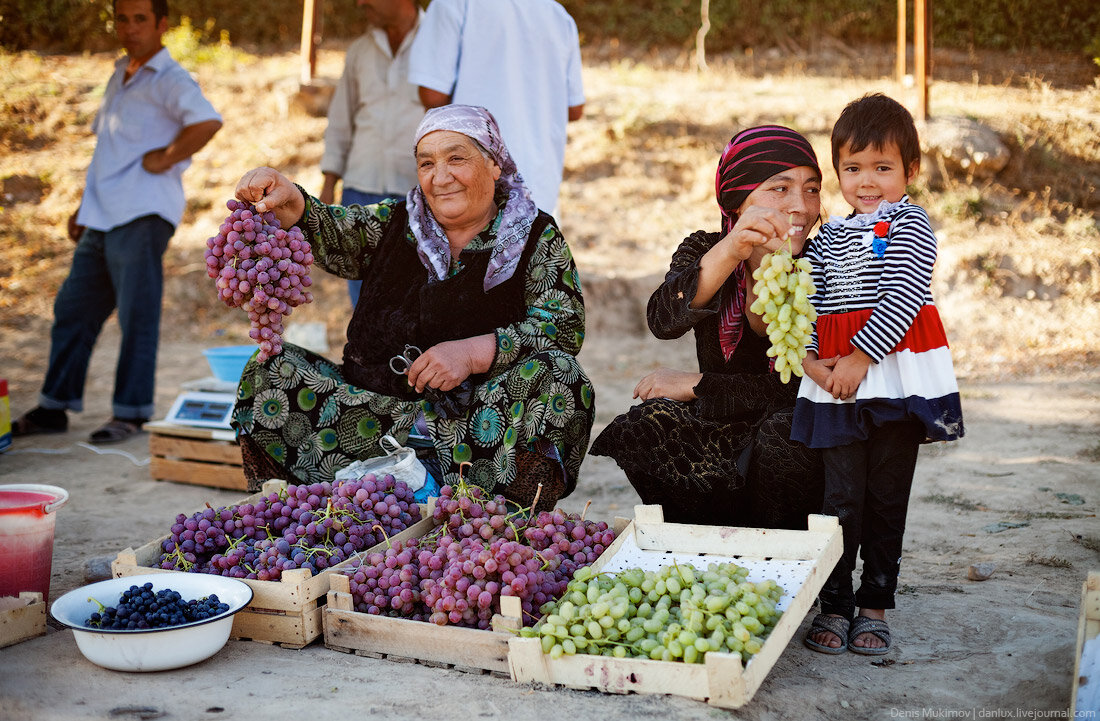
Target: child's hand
<point>818,370</point>
<point>847,374</point>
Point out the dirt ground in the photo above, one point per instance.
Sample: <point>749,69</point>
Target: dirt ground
<point>1019,491</point>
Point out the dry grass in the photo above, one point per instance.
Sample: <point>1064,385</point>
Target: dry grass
<point>1018,278</point>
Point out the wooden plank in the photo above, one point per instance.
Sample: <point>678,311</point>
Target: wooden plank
<point>619,524</point>
<point>1088,627</point>
<point>922,55</point>
<point>173,429</point>
<point>418,640</point>
<point>340,585</point>
<point>610,551</point>
<point>610,675</point>
<point>510,618</point>
<point>899,59</point>
<point>22,618</point>
<point>769,543</point>
<point>289,630</point>
<point>649,514</point>
<point>311,15</point>
<point>197,473</point>
<point>195,449</point>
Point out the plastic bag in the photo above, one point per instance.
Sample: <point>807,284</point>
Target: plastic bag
<point>400,462</point>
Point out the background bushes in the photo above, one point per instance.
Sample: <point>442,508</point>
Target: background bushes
<point>1072,25</point>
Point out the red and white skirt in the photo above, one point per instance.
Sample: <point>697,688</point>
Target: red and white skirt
<point>915,381</point>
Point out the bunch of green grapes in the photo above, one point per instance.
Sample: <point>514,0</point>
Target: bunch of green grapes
<point>783,288</point>
<point>675,613</point>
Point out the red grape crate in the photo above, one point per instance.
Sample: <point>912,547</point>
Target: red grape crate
<point>455,596</point>
<point>404,639</point>
<point>400,639</point>
<point>799,561</point>
<point>287,611</point>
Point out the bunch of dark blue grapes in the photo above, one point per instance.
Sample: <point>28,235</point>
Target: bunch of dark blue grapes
<point>139,607</point>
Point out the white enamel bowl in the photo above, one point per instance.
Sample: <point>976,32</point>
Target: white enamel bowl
<point>155,649</point>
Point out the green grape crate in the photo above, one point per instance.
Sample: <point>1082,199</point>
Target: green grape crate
<point>287,612</point>
<point>800,561</point>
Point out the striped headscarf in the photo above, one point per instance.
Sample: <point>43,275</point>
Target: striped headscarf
<point>519,210</point>
<point>752,156</point>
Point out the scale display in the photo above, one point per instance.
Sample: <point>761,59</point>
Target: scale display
<point>197,408</point>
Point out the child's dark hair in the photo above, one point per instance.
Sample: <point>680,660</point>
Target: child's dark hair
<point>874,121</point>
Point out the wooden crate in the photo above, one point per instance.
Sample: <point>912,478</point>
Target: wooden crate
<point>399,639</point>
<point>805,559</point>
<point>21,618</point>
<point>287,612</point>
<point>199,456</point>
<point>1088,629</point>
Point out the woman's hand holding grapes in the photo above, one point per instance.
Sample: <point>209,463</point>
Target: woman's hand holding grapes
<point>270,190</point>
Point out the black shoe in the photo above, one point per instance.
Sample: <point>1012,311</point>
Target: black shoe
<point>40,420</point>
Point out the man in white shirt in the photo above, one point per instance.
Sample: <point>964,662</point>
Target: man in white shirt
<point>152,120</point>
<point>521,60</point>
<point>374,113</point>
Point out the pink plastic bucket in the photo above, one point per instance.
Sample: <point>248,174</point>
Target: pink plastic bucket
<point>26,536</point>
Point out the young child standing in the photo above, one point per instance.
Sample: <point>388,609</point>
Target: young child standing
<point>879,379</point>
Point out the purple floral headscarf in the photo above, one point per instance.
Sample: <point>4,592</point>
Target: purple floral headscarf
<point>519,210</point>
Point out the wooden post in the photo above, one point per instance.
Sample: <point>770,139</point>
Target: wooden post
<point>311,11</point>
<point>921,53</point>
<point>900,60</point>
<point>700,36</point>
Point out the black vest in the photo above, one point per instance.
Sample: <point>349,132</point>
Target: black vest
<point>398,306</point>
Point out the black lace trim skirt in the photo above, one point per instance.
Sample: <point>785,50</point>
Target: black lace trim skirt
<point>715,472</point>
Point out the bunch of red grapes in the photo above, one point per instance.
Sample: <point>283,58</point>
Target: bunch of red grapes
<point>479,552</point>
<point>262,269</point>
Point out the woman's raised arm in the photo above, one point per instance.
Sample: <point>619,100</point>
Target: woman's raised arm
<point>268,189</point>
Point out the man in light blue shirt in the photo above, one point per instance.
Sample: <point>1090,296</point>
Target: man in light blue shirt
<point>152,120</point>
<point>521,60</point>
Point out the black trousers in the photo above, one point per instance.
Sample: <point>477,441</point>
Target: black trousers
<point>867,485</point>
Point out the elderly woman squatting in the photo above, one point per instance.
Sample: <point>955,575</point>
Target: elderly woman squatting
<point>467,270</point>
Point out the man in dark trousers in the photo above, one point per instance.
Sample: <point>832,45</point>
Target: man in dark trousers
<point>152,120</point>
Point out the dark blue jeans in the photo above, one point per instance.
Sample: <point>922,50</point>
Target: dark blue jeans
<point>120,268</point>
<point>867,486</point>
<point>351,196</point>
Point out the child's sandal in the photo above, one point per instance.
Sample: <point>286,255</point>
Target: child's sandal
<point>873,626</point>
<point>836,625</point>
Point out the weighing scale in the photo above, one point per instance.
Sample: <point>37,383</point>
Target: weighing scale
<point>205,403</point>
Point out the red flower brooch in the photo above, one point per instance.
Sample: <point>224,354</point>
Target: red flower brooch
<point>878,245</point>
